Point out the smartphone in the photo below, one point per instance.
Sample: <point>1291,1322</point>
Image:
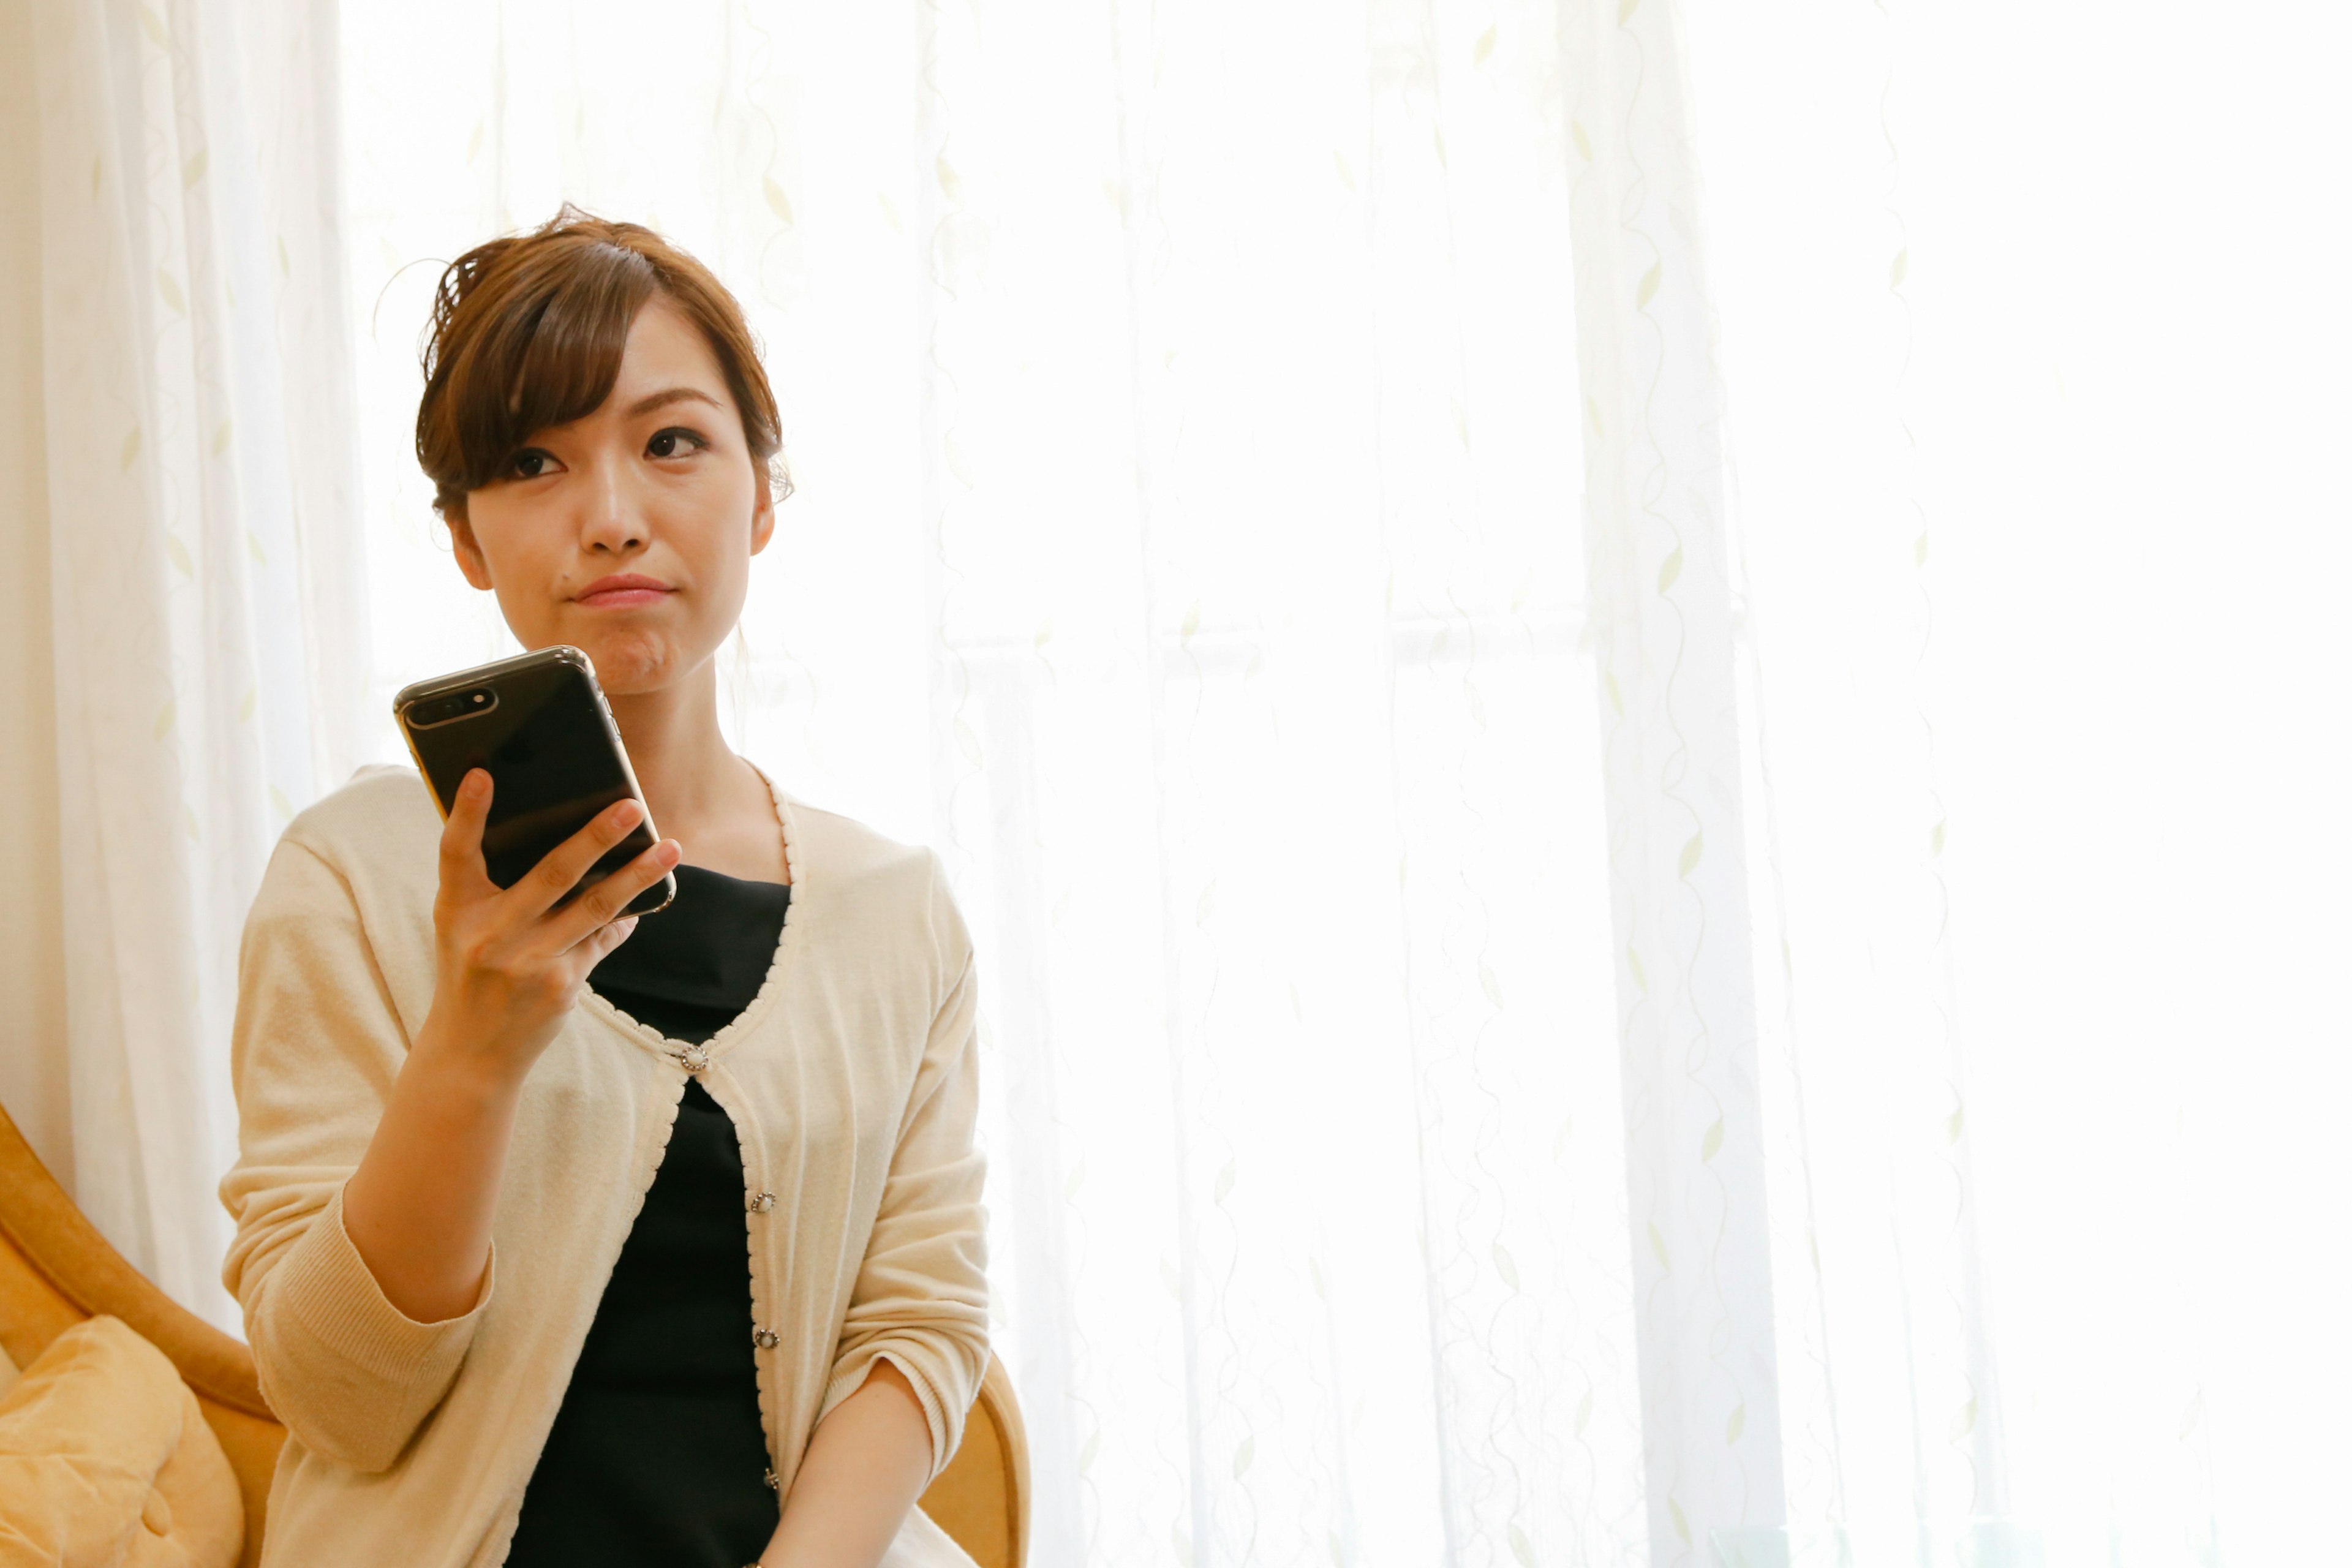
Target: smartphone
<point>539,725</point>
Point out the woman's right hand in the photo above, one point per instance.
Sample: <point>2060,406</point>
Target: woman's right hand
<point>509,963</point>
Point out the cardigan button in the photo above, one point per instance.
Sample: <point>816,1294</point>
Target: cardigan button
<point>764,1338</point>
<point>693,1058</point>
<point>762,1202</point>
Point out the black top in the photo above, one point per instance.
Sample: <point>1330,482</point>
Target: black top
<point>657,1455</point>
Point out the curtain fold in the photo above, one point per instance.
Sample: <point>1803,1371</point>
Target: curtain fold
<point>209,621</point>
<point>1665,592</point>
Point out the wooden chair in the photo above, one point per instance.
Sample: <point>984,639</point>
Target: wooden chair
<point>56,1270</point>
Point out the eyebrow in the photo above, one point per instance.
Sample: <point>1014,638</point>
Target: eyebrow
<point>668,395</point>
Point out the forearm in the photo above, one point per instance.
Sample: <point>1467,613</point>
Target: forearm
<point>866,1463</point>
<point>420,1204</point>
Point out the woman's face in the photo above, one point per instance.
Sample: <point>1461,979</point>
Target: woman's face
<point>629,532</point>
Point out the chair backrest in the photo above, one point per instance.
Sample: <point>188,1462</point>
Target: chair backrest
<point>56,1270</point>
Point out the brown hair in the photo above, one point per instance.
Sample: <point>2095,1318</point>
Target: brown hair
<point>528,331</point>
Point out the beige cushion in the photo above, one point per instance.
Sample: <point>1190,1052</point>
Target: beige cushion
<point>106,1462</point>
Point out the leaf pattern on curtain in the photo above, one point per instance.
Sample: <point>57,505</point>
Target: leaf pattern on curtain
<point>210,625</point>
<point>1664,584</point>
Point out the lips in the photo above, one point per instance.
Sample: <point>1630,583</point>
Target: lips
<point>622,592</point>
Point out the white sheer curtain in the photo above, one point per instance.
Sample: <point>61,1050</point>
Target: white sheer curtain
<point>1595,673</point>
<point>2034,334</point>
<point>208,622</point>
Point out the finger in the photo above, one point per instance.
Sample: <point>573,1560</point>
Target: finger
<point>462,868</point>
<point>606,901</point>
<point>560,870</point>
<point>604,939</point>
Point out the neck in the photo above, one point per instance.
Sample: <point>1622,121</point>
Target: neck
<point>683,764</point>
<point>701,793</point>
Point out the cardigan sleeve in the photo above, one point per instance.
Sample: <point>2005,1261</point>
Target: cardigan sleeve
<point>316,1047</point>
<point>920,1299</point>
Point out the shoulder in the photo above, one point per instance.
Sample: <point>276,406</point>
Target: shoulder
<point>377,837</point>
<point>847,862</point>
<point>350,883</point>
<point>842,846</point>
<point>383,807</point>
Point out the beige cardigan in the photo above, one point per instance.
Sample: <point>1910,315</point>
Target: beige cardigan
<point>851,1082</point>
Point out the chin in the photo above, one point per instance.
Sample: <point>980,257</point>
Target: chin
<point>628,663</point>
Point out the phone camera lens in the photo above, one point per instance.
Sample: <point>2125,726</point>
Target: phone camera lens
<point>455,706</point>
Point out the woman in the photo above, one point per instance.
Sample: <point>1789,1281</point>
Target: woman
<point>564,1239</point>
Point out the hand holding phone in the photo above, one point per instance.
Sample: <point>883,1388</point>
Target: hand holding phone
<point>509,961</point>
<point>547,854</point>
<point>545,850</point>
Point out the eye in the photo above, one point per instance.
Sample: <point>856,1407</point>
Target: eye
<point>530,463</point>
<point>677,441</point>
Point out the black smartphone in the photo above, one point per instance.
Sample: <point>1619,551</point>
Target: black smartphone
<point>539,725</point>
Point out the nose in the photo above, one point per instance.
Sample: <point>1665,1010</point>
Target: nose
<point>612,522</point>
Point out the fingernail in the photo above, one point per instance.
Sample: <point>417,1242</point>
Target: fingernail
<point>476,782</point>
<point>627,924</point>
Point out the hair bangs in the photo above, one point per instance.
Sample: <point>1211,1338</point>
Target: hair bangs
<point>548,354</point>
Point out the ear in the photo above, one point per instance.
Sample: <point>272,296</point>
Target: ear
<point>763,509</point>
<point>469,550</point>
